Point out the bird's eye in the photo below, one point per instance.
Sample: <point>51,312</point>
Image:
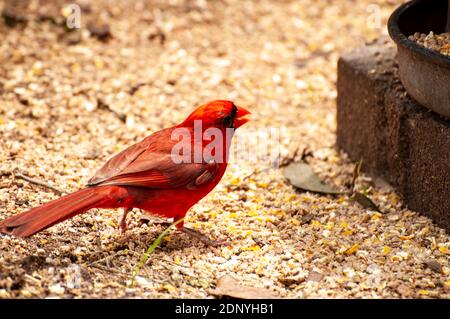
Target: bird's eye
<point>228,121</point>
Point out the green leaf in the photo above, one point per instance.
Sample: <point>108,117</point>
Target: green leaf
<point>365,202</point>
<point>356,172</point>
<point>151,249</point>
<point>301,175</point>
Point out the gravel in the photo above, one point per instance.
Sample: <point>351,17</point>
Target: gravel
<point>69,100</point>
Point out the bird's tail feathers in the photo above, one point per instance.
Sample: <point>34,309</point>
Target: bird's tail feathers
<point>39,218</point>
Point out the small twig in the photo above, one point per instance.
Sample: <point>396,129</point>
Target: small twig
<point>133,89</point>
<point>167,261</point>
<point>105,258</point>
<point>255,171</point>
<point>243,185</point>
<point>356,172</point>
<point>103,106</point>
<point>306,153</point>
<point>258,241</point>
<point>35,280</point>
<point>109,270</point>
<point>18,175</point>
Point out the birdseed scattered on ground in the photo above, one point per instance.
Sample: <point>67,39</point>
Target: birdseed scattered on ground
<point>70,100</point>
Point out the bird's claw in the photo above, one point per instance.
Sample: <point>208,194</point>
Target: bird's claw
<point>198,235</point>
<point>204,239</point>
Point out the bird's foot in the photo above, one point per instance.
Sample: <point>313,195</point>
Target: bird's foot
<point>198,235</point>
<point>203,238</point>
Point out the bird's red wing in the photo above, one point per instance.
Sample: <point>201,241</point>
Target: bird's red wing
<point>117,164</point>
<point>151,179</point>
<point>149,163</point>
<point>159,171</point>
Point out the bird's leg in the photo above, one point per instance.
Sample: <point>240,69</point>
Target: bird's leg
<point>123,220</point>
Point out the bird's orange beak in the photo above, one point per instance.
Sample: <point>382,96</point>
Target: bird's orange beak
<point>241,118</point>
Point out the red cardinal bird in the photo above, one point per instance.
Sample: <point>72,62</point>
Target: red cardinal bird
<point>151,175</point>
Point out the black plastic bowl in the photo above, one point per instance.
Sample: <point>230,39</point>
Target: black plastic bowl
<point>425,74</point>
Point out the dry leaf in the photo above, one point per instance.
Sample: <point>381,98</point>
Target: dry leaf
<point>302,176</point>
<point>434,265</point>
<point>365,202</point>
<point>229,287</point>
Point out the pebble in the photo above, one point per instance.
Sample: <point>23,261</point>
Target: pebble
<point>56,289</point>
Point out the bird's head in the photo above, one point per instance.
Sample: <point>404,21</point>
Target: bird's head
<point>220,113</point>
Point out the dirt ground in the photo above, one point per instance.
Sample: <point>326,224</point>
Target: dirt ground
<point>70,100</point>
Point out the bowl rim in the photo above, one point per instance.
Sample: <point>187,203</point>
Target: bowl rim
<point>401,40</point>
